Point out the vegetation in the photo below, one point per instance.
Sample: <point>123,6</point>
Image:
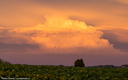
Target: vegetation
<point>79,63</point>
<point>41,72</point>
<point>4,62</point>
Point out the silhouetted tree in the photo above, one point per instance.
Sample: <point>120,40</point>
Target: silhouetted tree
<point>79,63</point>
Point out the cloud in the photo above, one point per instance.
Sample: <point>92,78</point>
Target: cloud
<point>9,48</point>
<point>20,19</point>
<point>29,13</point>
<point>117,35</point>
<point>122,1</point>
<point>95,30</point>
<point>118,38</point>
<point>62,35</point>
<point>20,13</point>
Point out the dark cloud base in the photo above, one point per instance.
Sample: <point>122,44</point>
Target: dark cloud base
<point>112,38</point>
<point>16,48</point>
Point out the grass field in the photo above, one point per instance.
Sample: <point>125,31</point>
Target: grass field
<point>41,72</point>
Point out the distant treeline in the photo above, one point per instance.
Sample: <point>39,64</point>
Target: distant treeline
<point>112,66</point>
<point>80,63</point>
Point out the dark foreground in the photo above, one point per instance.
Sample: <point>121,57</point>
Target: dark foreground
<point>40,72</point>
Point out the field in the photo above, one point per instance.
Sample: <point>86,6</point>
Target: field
<point>41,72</point>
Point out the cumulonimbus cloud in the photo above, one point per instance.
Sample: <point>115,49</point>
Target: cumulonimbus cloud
<point>62,35</point>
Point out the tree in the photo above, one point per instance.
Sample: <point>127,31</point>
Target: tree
<point>79,63</point>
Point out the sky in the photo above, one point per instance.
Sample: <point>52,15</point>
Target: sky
<point>58,32</point>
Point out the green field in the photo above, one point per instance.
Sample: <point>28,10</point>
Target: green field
<point>41,72</point>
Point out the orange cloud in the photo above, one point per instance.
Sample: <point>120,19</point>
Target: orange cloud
<point>29,13</point>
<point>122,1</point>
<point>61,33</point>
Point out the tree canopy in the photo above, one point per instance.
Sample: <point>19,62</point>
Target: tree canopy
<point>79,63</point>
